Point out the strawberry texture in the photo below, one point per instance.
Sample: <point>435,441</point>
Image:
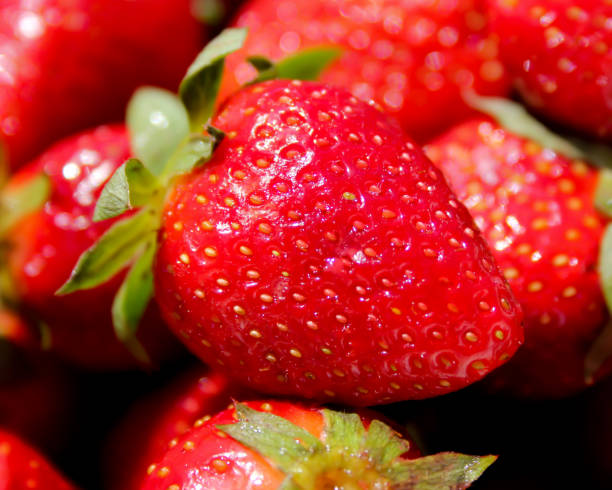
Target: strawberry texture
<point>320,254</point>
<point>68,65</point>
<point>46,244</point>
<point>559,54</point>
<point>413,57</point>
<point>535,208</point>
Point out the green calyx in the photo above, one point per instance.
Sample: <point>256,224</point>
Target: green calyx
<point>170,136</point>
<point>349,456</point>
<point>515,118</point>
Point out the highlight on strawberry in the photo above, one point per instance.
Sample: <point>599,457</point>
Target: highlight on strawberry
<point>299,240</point>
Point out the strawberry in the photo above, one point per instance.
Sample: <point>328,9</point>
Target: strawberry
<point>535,207</point>
<point>68,65</point>
<point>412,57</point>
<point>274,444</point>
<point>155,423</point>
<point>35,396</point>
<point>318,253</point>
<point>21,467</point>
<point>45,242</point>
<point>560,58</point>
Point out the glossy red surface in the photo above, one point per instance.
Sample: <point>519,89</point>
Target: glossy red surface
<point>320,254</point>
<point>66,65</point>
<point>47,244</point>
<point>536,211</point>
<point>560,56</point>
<point>412,57</point>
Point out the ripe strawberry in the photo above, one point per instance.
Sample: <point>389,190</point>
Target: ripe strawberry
<point>535,208</point>
<point>412,57</point>
<point>35,396</point>
<point>45,243</point>
<point>318,253</point>
<point>155,424</point>
<point>274,444</point>
<point>67,65</point>
<point>21,467</point>
<point>559,55</point>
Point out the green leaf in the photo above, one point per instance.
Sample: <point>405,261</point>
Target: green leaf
<point>200,87</point>
<point>210,12</point>
<point>307,64</point>
<point>605,265</point>
<point>596,153</point>
<point>157,122</point>
<point>17,201</point>
<point>111,253</point>
<point>449,471</point>
<point>273,437</point>
<point>131,186</point>
<point>603,193</point>
<point>195,151</point>
<point>344,430</point>
<point>135,293</point>
<point>383,444</point>
<point>515,118</point>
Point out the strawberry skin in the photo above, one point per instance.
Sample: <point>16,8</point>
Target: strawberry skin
<point>559,54</point>
<point>155,424</point>
<point>21,467</point>
<point>68,65</point>
<point>46,244</point>
<point>536,210</point>
<point>412,57</point>
<point>320,254</point>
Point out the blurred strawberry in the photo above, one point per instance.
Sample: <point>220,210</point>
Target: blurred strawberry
<point>22,468</point>
<point>35,394</point>
<point>559,54</point>
<point>45,241</point>
<point>535,206</point>
<point>69,64</point>
<point>412,57</point>
<point>155,423</point>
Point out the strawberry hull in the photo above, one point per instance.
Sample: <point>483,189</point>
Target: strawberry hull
<point>320,254</point>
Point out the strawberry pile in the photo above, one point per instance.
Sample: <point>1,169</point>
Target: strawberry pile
<point>211,264</point>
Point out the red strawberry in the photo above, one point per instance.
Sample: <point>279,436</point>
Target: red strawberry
<point>155,424</point>
<point>67,65</point>
<point>35,396</point>
<point>320,254</point>
<point>412,57</point>
<point>560,56</point>
<point>535,208</point>
<point>45,244</point>
<point>273,444</point>
<point>21,467</point>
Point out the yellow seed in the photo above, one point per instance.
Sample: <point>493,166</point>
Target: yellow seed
<point>341,319</point>
<point>418,386</point>
<point>262,163</point>
<point>560,260</point>
<point>239,310</point>
<point>200,199</point>
<point>265,228</point>
<point>270,358</point>
<point>178,226</point>
<point>244,250</point>
<point>163,472</point>
<point>535,286</point>
<point>545,319</point>
<point>207,225</point>
<point>255,334</point>
<point>266,298</point>
<point>251,274</point>
<point>222,282</point>
<point>471,337</point>
<point>394,385</point>
<point>255,199</point>
<point>569,292</point>
<point>396,311</point>
<point>499,334</point>
<point>184,258</point>
<point>478,365</point>
<point>199,293</point>
<point>210,251</point>
<point>338,373</point>
<point>484,306</point>
<point>511,273</point>
<point>539,224</point>
<point>388,214</point>
<point>326,351</point>
<point>295,353</point>
<point>301,244</point>
<point>452,307</point>
<point>370,252</point>
<point>349,196</point>
<point>189,445</point>
<point>329,392</point>
<point>282,327</point>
